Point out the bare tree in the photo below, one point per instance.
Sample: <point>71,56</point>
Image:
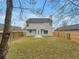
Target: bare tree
<point>70,8</point>
<point>6,32</point>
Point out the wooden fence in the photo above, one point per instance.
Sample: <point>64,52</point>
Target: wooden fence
<point>15,34</point>
<point>65,35</point>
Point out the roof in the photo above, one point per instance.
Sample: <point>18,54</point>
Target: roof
<point>68,28</point>
<point>13,28</point>
<point>39,20</point>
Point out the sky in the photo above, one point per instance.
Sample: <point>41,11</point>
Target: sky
<point>50,9</point>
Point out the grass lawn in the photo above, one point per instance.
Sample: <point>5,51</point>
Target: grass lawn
<point>45,48</point>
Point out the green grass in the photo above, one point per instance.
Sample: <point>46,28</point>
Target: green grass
<point>45,48</point>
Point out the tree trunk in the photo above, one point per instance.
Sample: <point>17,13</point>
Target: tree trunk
<point>6,31</point>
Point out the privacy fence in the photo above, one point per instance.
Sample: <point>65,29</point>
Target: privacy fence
<point>15,35</point>
<point>70,36</point>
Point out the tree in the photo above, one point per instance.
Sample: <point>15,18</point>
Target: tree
<point>6,31</point>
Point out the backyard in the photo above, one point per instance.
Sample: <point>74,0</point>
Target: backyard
<point>43,48</point>
<point>39,29</point>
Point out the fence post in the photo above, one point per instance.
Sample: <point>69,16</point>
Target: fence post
<point>68,36</point>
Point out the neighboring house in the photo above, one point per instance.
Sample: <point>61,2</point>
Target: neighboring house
<point>39,27</point>
<point>13,28</point>
<point>16,32</point>
<point>74,27</point>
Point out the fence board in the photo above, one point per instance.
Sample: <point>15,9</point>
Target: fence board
<point>66,35</point>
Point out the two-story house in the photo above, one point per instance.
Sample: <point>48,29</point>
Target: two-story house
<point>39,27</point>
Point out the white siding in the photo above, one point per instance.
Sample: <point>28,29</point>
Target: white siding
<point>38,27</point>
<point>31,34</point>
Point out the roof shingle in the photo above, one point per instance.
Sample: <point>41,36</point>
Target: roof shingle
<point>39,20</point>
<point>68,28</point>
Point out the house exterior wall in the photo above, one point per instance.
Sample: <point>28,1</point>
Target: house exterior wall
<point>38,27</point>
<point>30,34</point>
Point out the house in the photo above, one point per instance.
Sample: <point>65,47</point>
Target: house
<point>74,27</point>
<point>16,32</point>
<point>39,27</point>
<point>13,28</point>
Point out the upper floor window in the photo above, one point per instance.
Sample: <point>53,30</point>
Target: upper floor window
<point>27,25</point>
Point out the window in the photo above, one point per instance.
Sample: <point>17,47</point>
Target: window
<point>27,25</point>
<point>30,31</point>
<point>45,31</point>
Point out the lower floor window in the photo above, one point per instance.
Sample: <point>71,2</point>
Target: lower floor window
<point>30,31</point>
<point>45,31</point>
